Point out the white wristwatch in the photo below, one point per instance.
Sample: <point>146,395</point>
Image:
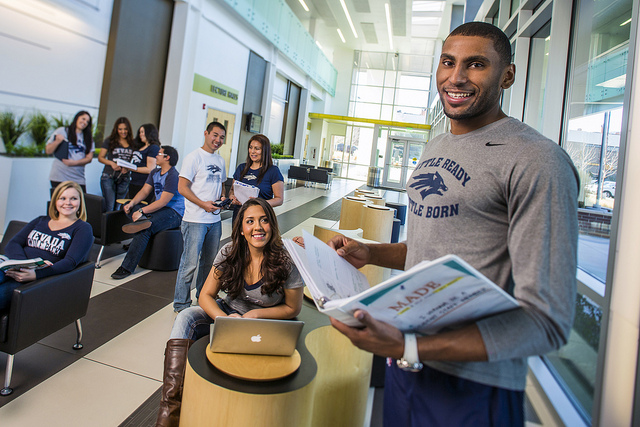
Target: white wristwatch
<point>410,359</point>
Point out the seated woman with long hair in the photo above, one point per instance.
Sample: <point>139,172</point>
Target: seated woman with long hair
<point>62,239</point>
<point>260,281</point>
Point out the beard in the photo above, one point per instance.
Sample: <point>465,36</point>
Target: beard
<point>481,105</point>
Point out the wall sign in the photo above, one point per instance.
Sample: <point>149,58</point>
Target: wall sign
<point>212,88</point>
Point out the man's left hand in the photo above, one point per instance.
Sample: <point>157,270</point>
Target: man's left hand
<point>376,337</point>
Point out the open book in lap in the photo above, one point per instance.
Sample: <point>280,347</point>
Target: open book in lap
<point>16,264</point>
<point>426,298</point>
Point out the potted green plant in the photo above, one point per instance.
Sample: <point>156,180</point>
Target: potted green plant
<point>11,128</point>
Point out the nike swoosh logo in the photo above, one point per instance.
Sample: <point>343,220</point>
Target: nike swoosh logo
<point>491,144</point>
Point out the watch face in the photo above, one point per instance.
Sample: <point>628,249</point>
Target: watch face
<point>409,367</point>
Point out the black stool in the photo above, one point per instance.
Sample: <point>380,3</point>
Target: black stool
<point>163,251</point>
<point>401,210</point>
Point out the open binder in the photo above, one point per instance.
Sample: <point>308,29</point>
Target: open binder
<point>426,298</point>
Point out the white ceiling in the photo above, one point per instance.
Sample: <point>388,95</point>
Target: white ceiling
<point>415,24</point>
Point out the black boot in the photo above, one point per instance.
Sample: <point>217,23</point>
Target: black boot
<point>175,363</point>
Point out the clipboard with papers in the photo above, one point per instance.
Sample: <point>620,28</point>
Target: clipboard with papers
<point>244,192</point>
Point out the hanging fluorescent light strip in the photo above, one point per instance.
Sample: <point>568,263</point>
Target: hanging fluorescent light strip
<point>341,36</point>
<point>318,44</point>
<point>625,22</point>
<point>346,12</point>
<point>388,13</point>
<point>304,5</point>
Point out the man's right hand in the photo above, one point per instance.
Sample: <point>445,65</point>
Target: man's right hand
<point>127,207</point>
<point>353,251</point>
<point>209,206</point>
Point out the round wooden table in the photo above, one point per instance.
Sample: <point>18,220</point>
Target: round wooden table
<point>329,388</point>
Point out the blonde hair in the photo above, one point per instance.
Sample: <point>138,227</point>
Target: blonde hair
<point>53,210</point>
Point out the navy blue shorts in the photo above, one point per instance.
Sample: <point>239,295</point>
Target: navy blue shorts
<point>433,398</point>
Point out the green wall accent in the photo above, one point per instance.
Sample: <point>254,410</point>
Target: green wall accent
<point>210,87</point>
<point>275,21</point>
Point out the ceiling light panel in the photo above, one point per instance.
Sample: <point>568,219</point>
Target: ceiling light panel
<point>399,17</point>
<point>361,6</point>
<point>369,31</point>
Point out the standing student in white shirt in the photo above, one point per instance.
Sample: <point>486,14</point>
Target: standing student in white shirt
<point>202,178</point>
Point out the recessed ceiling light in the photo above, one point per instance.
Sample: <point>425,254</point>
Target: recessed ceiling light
<point>388,13</point>
<point>346,13</point>
<point>341,36</point>
<point>304,5</point>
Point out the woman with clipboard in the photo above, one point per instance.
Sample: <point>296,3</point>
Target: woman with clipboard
<point>259,171</point>
<point>72,147</point>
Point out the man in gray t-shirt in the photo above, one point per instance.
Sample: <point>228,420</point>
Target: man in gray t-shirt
<point>504,198</point>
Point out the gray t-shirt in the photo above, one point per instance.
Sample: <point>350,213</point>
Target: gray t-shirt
<point>61,172</point>
<point>251,297</point>
<point>503,198</point>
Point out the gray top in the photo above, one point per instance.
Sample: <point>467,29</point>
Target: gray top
<point>61,172</point>
<point>251,297</point>
<point>503,198</point>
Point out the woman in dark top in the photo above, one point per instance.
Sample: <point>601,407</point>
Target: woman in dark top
<point>62,239</point>
<point>114,182</point>
<point>146,146</point>
<point>76,142</point>
<point>259,171</point>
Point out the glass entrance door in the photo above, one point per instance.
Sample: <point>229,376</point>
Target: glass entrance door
<point>401,158</point>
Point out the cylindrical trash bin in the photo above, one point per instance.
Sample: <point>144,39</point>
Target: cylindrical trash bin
<point>373,179</point>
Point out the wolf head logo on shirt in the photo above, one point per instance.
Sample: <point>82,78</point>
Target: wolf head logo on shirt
<point>65,236</point>
<point>136,158</point>
<point>213,169</point>
<point>429,183</point>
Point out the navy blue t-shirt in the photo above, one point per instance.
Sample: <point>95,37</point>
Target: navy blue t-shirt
<point>66,248</point>
<point>271,176</point>
<point>169,183</point>
<point>139,159</point>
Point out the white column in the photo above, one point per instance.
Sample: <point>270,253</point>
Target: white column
<point>621,356</point>
<point>178,83</point>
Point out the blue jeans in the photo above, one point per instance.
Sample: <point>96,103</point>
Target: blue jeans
<point>6,291</point>
<point>114,188</point>
<point>163,219</point>
<point>201,242</point>
<point>193,323</point>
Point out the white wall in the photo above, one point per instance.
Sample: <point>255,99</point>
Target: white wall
<point>210,39</point>
<point>53,55</point>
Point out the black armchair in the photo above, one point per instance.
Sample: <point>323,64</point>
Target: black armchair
<point>298,173</point>
<point>42,307</point>
<point>107,226</point>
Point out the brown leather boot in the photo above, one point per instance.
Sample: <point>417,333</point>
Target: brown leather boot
<point>175,363</point>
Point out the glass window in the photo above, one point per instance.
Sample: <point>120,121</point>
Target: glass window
<point>537,77</point>
<point>371,77</point>
<point>594,111</point>
<point>412,98</point>
<point>410,81</point>
<point>515,4</point>
<point>369,94</point>
<point>367,111</point>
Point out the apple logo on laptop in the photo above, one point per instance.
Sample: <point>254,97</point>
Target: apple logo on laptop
<point>256,338</point>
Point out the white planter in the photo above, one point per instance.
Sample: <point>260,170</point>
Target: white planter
<point>25,187</point>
